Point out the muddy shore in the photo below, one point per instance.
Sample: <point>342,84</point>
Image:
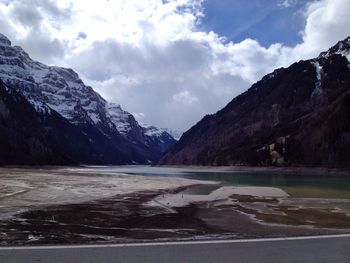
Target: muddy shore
<point>127,219</point>
<point>40,207</point>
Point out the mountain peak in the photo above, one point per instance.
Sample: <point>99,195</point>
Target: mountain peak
<point>295,116</point>
<point>4,40</point>
<point>61,90</point>
<point>342,48</point>
<point>112,105</point>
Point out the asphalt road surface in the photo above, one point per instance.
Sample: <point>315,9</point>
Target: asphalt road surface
<point>304,249</point>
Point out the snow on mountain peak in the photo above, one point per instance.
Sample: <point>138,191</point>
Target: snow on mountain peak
<point>121,119</point>
<point>341,48</point>
<point>113,106</point>
<point>4,40</point>
<point>176,134</point>
<point>153,131</point>
<point>61,89</point>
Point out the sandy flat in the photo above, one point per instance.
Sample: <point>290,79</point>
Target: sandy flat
<point>22,189</point>
<point>68,207</point>
<point>223,193</point>
<point>259,191</point>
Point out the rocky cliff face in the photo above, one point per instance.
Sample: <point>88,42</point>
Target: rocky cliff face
<point>298,115</point>
<point>62,91</point>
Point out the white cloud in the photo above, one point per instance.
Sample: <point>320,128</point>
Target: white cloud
<point>149,56</point>
<point>286,3</point>
<point>184,98</point>
<point>327,21</point>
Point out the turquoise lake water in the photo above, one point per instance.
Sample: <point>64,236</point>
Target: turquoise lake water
<point>297,185</point>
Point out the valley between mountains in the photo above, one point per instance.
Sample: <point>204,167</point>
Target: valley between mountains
<point>295,116</point>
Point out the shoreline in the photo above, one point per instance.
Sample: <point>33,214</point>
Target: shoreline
<point>71,207</point>
<point>314,171</point>
<point>295,170</point>
<point>21,189</point>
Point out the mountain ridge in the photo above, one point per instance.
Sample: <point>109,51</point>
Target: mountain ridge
<point>287,118</point>
<point>61,90</point>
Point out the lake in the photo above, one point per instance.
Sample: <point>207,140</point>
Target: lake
<point>297,185</point>
<point>103,205</point>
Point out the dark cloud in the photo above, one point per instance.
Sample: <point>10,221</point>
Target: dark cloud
<point>42,47</point>
<point>62,14</point>
<point>31,15</point>
<point>27,15</point>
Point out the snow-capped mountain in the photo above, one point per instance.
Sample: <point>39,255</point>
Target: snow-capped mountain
<point>123,120</point>
<point>157,137</point>
<point>32,136</point>
<point>61,90</point>
<point>341,48</point>
<point>297,116</point>
<point>176,134</point>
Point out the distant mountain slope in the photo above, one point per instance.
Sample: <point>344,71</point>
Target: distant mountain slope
<point>21,138</point>
<point>60,90</point>
<point>298,115</point>
<point>29,136</point>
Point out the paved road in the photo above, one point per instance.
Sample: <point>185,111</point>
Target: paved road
<point>312,249</point>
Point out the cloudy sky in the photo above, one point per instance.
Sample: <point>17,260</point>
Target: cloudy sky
<point>170,62</point>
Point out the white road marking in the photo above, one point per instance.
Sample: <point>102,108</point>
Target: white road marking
<point>170,243</point>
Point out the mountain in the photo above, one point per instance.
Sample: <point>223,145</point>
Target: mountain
<point>38,137</point>
<point>21,137</point>
<point>115,136</point>
<point>298,115</point>
<point>158,138</point>
<point>176,134</point>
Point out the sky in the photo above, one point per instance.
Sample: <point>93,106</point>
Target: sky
<point>170,62</point>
